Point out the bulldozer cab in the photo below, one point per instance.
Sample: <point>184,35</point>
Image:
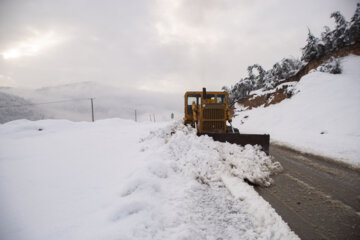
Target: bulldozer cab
<point>190,97</point>
<point>197,98</point>
<point>208,111</point>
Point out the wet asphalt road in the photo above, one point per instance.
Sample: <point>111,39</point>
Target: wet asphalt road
<point>318,198</point>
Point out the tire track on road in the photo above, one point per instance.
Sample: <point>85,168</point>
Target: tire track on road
<point>318,199</point>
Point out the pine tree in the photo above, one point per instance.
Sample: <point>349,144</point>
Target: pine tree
<point>313,48</point>
<point>290,67</point>
<point>340,34</point>
<point>250,73</point>
<point>225,88</point>
<point>277,72</point>
<point>354,30</point>
<point>327,39</point>
<point>258,80</point>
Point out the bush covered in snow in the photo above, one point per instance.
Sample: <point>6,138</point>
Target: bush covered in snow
<point>331,66</point>
<point>345,34</point>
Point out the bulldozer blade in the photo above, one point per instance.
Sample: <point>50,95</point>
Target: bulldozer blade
<point>242,139</point>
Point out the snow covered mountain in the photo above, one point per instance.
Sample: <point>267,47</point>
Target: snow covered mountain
<point>72,101</point>
<point>13,107</point>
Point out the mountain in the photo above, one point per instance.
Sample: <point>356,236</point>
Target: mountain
<point>72,101</point>
<point>13,107</point>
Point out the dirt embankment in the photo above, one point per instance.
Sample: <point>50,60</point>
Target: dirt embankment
<point>282,93</point>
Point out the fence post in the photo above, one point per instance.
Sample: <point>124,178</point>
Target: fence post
<point>135,116</point>
<point>92,109</point>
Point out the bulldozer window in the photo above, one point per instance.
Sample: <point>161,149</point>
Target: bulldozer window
<point>190,99</point>
<point>210,96</point>
<point>221,98</point>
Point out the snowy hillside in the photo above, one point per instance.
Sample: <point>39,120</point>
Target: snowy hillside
<point>72,102</point>
<point>340,41</point>
<point>322,117</point>
<point>117,179</point>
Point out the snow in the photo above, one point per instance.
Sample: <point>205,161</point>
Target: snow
<point>117,179</point>
<point>322,117</point>
<point>257,208</point>
<point>262,91</point>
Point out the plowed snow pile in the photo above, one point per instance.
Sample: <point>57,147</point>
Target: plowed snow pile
<point>116,179</point>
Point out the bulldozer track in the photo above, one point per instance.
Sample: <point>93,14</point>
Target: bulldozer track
<point>319,199</point>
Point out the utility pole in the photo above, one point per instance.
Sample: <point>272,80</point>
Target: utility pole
<point>92,109</point>
<point>135,116</point>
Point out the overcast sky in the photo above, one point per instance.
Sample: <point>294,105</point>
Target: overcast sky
<point>156,45</point>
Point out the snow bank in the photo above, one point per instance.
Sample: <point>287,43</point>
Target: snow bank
<point>323,117</point>
<point>192,170</point>
<point>113,180</point>
<point>207,160</point>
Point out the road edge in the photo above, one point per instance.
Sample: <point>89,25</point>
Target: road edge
<point>317,156</point>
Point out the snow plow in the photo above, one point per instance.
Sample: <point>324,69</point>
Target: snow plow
<point>209,112</point>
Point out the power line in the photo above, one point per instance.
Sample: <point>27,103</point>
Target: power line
<point>42,103</point>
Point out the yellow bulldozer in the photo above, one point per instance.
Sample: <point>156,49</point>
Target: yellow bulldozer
<point>209,112</point>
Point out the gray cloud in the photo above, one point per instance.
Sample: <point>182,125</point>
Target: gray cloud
<point>158,45</point>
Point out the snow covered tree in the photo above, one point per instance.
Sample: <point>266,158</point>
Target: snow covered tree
<point>277,71</point>
<point>339,19</point>
<point>291,66</point>
<point>313,49</point>
<point>340,34</point>
<point>238,91</point>
<point>269,80</point>
<point>250,73</point>
<point>286,68</point>
<point>226,89</point>
<point>241,89</point>
<point>354,30</point>
<point>327,39</point>
<point>258,80</point>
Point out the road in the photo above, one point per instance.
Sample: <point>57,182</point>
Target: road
<point>317,197</point>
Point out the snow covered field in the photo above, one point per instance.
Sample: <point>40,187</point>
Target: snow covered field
<point>117,179</point>
<point>322,117</point>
